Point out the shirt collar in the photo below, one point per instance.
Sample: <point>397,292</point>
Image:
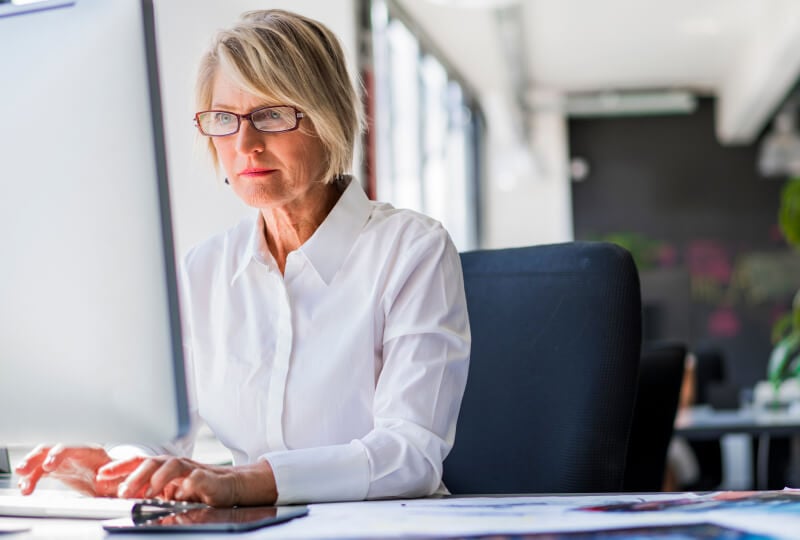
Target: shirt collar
<point>254,247</point>
<point>330,243</point>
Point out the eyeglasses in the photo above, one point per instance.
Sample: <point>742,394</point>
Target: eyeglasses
<point>267,119</point>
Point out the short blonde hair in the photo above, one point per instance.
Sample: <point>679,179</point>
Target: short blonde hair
<point>289,59</point>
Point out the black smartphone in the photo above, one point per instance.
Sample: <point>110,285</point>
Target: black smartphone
<point>245,518</point>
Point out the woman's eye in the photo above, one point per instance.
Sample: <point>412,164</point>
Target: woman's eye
<point>274,115</point>
<point>224,118</point>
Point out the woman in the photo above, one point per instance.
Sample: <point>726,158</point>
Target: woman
<point>327,336</point>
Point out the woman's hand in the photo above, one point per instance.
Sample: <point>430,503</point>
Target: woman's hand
<point>183,479</point>
<point>74,466</point>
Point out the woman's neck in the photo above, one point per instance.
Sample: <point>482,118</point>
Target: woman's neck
<point>286,228</point>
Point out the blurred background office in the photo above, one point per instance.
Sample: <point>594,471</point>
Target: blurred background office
<point>667,127</point>
<point>537,121</point>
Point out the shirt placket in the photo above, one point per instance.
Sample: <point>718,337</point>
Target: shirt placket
<point>280,372</point>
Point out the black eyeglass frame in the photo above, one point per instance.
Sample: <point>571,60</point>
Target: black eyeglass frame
<point>298,115</point>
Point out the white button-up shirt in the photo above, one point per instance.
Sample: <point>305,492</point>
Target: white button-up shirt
<point>346,372</point>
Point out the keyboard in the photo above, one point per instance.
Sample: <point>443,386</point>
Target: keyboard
<point>58,503</point>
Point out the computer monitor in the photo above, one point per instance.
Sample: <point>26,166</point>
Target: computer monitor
<point>90,347</point>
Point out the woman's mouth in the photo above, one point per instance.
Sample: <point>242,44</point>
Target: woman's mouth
<point>255,171</point>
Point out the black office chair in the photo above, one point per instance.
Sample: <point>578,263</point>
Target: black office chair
<point>556,333</point>
<point>659,387</point>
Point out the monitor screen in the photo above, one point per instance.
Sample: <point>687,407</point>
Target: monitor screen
<point>90,347</point>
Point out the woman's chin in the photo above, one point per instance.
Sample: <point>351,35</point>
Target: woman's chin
<point>259,198</point>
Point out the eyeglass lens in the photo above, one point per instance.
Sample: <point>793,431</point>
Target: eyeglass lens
<point>268,119</point>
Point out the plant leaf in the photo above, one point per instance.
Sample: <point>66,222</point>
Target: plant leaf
<point>782,354</point>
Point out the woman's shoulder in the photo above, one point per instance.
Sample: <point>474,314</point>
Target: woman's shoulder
<point>222,248</point>
<point>402,223</point>
<point>401,229</point>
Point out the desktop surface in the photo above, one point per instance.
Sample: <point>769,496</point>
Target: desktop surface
<point>734,515</point>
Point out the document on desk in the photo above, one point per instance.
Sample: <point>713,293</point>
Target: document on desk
<point>764,513</point>
<point>769,513</point>
<point>472,516</point>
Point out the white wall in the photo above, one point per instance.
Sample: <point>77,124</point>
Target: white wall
<point>202,205</point>
<point>527,192</point>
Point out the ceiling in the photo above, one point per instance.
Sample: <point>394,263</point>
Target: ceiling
<point>744,52</point>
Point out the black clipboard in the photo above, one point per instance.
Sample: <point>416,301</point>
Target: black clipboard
<point>207,519</point>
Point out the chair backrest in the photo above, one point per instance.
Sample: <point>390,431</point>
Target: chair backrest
<point>556,336</point>
<point>659,387</point>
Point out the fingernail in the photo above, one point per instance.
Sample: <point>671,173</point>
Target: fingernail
<point>179,494</point>
<point>23,485</point>
<point>49,461</point>
<point>148,493</point>
<point>122,489</point>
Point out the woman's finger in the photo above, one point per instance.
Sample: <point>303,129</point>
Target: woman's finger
<point>32,461</point>
<point>168,493</point>
<point>210,487</point>
<point>117,470</point>
<point>55,457</point>
<point>171,472</point>
<point>107,488</point>
<point>28,483</point>
<point>139,480</point>
<point>72,458</point>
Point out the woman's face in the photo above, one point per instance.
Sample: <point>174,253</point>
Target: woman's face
<point>266,170</point>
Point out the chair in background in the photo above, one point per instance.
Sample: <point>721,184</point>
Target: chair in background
<point>658,390</point>
<point>710,374</point>
<point>556,336</point>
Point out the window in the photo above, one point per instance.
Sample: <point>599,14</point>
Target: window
<point>427,129</point>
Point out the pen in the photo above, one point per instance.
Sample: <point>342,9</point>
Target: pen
<point>153,508</point>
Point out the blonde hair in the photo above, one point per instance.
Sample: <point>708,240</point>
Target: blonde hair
<point>289,59</point>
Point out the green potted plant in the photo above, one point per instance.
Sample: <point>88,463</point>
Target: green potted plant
<point>784,362</point>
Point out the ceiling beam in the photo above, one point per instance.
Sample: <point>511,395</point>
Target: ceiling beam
<point>762,78</point>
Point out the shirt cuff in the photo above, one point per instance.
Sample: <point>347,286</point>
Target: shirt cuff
<point>325,473</point>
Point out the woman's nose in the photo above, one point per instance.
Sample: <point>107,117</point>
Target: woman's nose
<point>249,139</point>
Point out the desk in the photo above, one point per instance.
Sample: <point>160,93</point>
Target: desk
<point>476,517</point>
<point>704,423</point>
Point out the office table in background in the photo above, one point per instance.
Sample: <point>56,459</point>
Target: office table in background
<point>705,423</point>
